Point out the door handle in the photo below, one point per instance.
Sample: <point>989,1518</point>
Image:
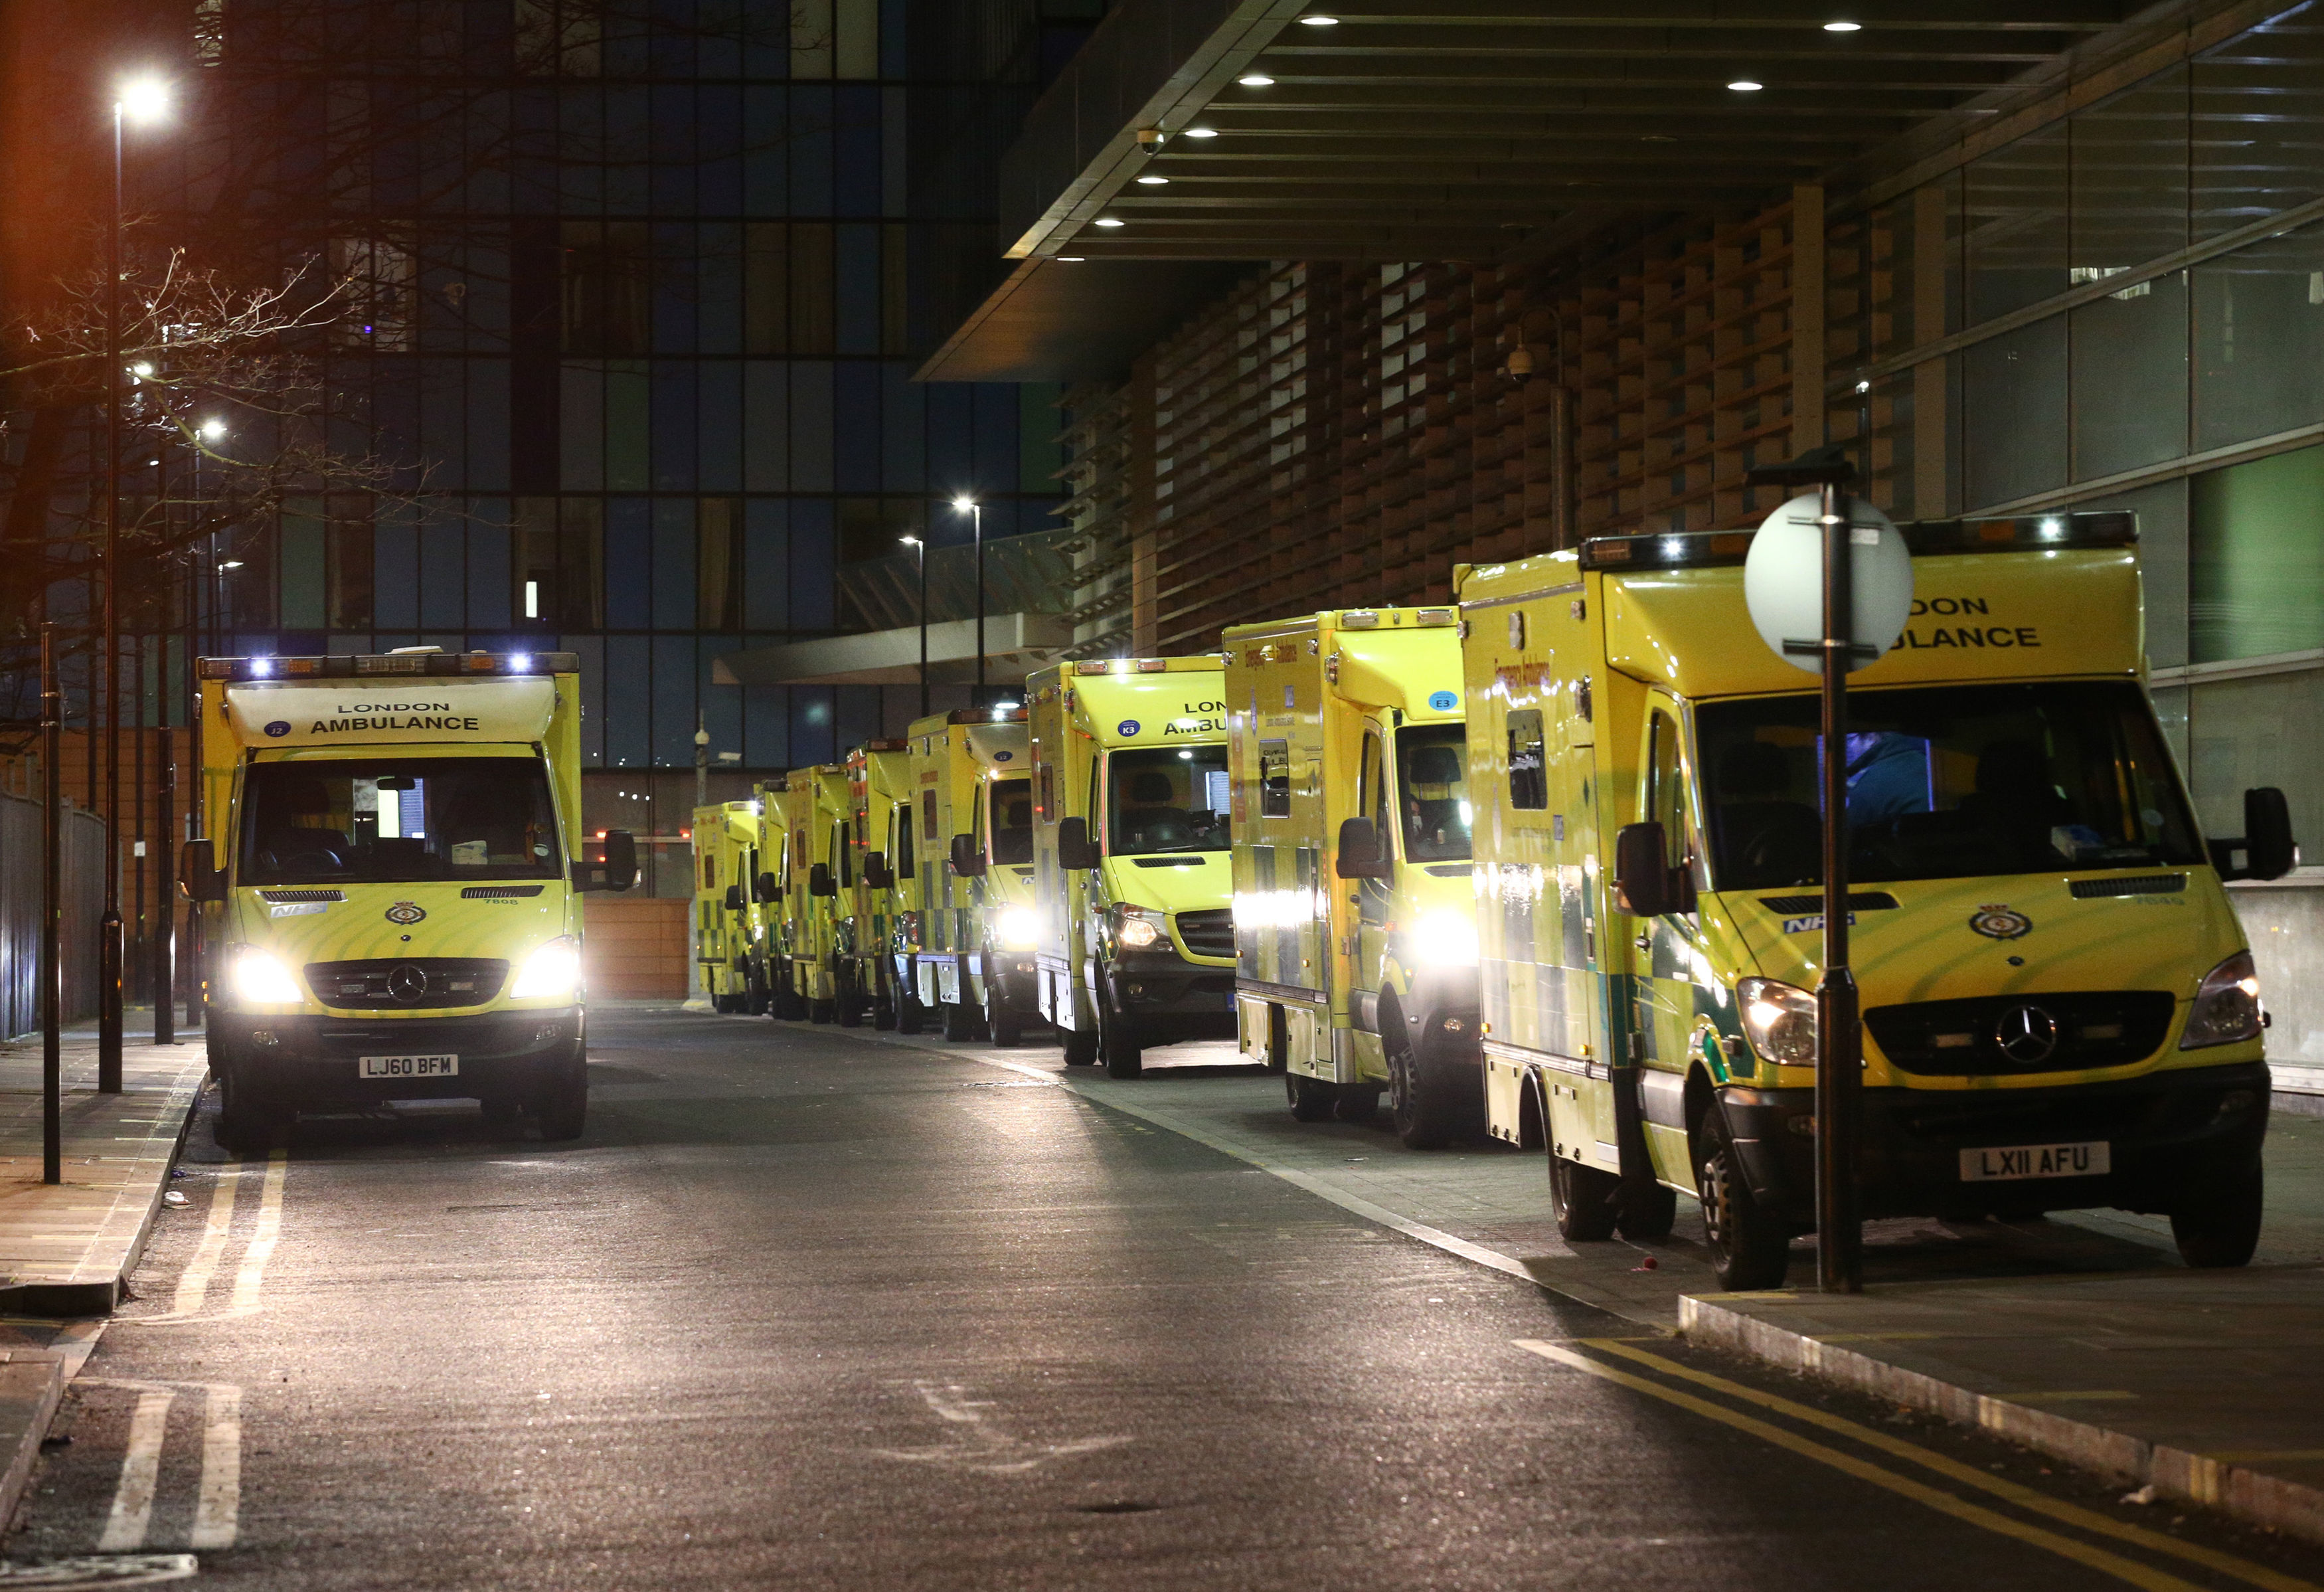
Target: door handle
<point>1645,941</point>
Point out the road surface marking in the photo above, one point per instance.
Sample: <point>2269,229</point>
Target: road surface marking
<point>261,1239</point>
<point>975,1443</point>
<point>217,1506</point>
<point>194,1283</point>
<point>141,1468</point>
<point>2025,1497</point>
<point>1977,1515</point>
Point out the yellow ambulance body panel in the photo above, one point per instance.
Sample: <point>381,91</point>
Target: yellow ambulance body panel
<point>781,817</point>
<point>821,866</point>
<point>389,883</point>
<point>962,763</point>
<point>2059,1010</point>
<point>879,789</point>
<point>1356,974</point>
<point>730,920</point>
<point>1132,872</point>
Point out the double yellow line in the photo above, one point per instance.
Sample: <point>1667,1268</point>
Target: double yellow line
<point>2090,1521</point>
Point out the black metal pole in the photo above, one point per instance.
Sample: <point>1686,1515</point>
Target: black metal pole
<point>976,518</point>
<point>1838,1041</point>
<point>165,930</point>
<point>53,712</point>
<point>923,546</point>
<point>109,949</point>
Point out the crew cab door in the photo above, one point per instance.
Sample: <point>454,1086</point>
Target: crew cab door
<point>1662,954</point>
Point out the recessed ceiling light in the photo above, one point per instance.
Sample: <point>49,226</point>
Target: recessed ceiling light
<point>1256,81</point>
<point>1201,133</point>
<point>1152,182</point>
<point>1843,27</point>
<point>1746,86</point>
<point>1063,259</point>
<point>1109,220</point>
<point>1319,21</point>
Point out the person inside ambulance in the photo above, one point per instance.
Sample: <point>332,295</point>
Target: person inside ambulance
<point>297,832</point>
<point>1153,819</point>
<point>1887,775</point>
<point>1769,840</point>
<point>480,829</point>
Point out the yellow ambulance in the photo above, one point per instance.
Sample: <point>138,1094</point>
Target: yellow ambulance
<point>729,919</point>
<point>390,884</point>
<point>778,812</point>
<point>879,788</point>
<point>967,954</point>
<point>820,867</point>
<point>1355,922</point>
<point>2058,1008</point>
<point>1133,878</point>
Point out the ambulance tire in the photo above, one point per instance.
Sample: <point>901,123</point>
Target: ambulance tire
<point>959,1025</point>
<point>1428,1114</point>
<point>1080,1047</point>
<point>244,1125</point>
<point>754,997</point>
<point>1649,1213</point>
<point>562,1104</point>
<point>1312,1099</point>
<point>883,1014</point>
<point>1582,1198</point>
<point>724,1005</point>
<point>1750,1248</point>
<point>1358,1104</point>
<point>849,1007</point>
<point>1007,1028</point>
<point>910,1015</point>
<point>1120,1043</point>
<point>821,1011</point>
<point>503,1116</point>
<point>2219,1223</point>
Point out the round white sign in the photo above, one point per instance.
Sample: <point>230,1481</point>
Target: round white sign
<point>1783,581</point>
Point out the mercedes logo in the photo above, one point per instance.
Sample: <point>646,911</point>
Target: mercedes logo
<point>408,983</point>
<point>2026,1034</point>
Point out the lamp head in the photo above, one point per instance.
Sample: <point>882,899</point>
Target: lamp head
<point>142,100</point>
<point>964,502</point>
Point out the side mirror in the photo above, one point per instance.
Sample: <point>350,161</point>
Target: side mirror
<point>1359,852</point>
<point>733,898</point>
<point>965,862</point>
<point>818,880</point>
<point>2269,850</point>
<point>621,859</point>
<point>198,873</point>
<point>768,890</point>
<point>876,872</point>
<point>1644,885</point>
<point>1075,849</point>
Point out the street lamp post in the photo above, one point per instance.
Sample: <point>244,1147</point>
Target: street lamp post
<point>976,516</point>
<point>921,548</point>
<point>143,99</point>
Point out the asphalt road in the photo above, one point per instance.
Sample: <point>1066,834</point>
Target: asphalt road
<point>803,1311</point>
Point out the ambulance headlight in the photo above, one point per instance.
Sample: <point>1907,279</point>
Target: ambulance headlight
<point>1779,1020</point>
<point>1446,938</point>
<point>1020,927</point>
<point>259,978</point>
<point>2226,1005</point>
<point>1133,930</point>
<point>553,971</point>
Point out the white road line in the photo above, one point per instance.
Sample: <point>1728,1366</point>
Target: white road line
<point>218,1508</point>
<point>141,1468</point>
<point>194,1283</point>
<point>261,1237</point>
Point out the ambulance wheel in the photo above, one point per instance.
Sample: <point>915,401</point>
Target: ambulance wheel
<point>245,1124</point>
<point>1582,1198</point>
<point>1007,1029</point>
<point>849,1008</point>
<point>754,998</point>
<point>1120,1043</point>
<point>2218,1225</point>
<point>718,1004</point>
<point>1650,1214</point>
<point>821,1011</point>
<point>910,1015</point>
<point>883,1014</point>
<point>1750,1247</point>
<point>563,1103</point>
<point>1425,1115</point>
<point>503,1115</point>
<point>1080,1047</point>
<point>1357,1104</point>
<point>959,1026</point>
<point>1312,1099</point>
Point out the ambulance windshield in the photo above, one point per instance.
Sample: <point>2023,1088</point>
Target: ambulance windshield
<point>1012,820</point>
<point>1945,782</point>
<point>398,820</point>
<point>1432,767</point>
<point>1167,799</point>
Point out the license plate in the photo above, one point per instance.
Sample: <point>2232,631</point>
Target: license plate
<point>408,1066</point>
<point>2037,1161</point>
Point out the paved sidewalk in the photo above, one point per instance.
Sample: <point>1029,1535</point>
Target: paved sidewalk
<point>2082,1336</point>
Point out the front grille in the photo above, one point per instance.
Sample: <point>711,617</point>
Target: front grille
<point>499,892</point>
<point>289,897</point>
<point>2129,884</point>
<point>1976,1038</point>
<point>1208,933</point>
<point>1794,906</point>
<point>406,984</point>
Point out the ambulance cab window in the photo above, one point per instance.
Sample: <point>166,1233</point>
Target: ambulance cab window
<point>1946,782</point>
<point>899,825</point>
<point>398,820</point>
<point>1528,767</point>
<point>1013,820</point>
<point>1666,787</point>
<point>1167,799</point>
<point>1373,794</point>
<point>1432,767</point>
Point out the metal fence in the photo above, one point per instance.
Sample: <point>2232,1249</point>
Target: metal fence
<point>20,914</point>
